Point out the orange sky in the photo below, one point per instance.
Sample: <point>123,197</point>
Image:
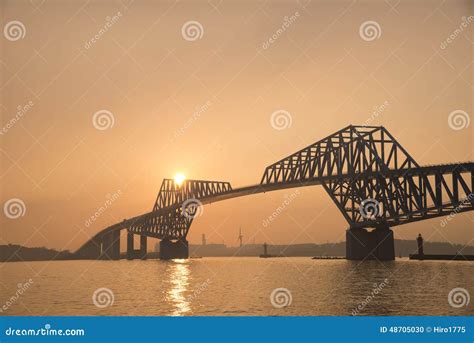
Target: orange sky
<point>203,106</point>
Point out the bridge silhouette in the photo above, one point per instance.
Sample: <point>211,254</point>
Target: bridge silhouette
<point>370,177</point>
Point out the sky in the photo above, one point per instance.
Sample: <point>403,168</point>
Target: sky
<point>101,100</point>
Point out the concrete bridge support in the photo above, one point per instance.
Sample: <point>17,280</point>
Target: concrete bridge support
<point>171,250</point>
<point>131,252</point>
<point>143,247</point>
<point>116,245</point>
<point>110,246</point>
<point>362,244</point>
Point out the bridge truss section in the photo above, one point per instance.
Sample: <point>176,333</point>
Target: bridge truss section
<point>373,180</point>
<point>175,208</point>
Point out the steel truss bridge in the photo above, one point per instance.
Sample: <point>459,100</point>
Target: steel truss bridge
<point>370,177</point>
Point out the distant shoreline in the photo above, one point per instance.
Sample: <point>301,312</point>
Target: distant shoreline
<point>403,248</point>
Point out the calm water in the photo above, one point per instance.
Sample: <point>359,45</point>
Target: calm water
<point>235,286</point>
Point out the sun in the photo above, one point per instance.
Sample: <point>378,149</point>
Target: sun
<point>179,179</point>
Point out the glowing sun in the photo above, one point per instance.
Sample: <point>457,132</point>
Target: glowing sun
<point>179,179</point>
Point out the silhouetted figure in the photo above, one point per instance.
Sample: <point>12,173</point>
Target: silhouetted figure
<point>420,244</point>
<point>265,249</point>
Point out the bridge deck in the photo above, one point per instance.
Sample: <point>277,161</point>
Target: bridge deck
<point>259,188</point>
<point>369,176</point>
<point>262,188</point>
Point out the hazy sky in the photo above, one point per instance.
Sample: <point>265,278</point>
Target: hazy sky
<point>199,101</point>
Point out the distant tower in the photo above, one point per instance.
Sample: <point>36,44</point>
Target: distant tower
<point>240,238</point>
<point>203,239</point>
<point>419,240</point>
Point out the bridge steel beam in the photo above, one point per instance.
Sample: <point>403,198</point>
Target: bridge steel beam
<point>375,183</point>
<point>175,208</point>
<point>365,168</point>
<point>370,177</point>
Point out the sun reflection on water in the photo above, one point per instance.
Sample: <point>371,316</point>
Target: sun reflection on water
<point>179,277</point>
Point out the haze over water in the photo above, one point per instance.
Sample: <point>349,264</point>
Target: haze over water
<point>236,286</point>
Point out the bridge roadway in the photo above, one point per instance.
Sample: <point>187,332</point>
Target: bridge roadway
<point>263,188</point>
<point>370,177</point>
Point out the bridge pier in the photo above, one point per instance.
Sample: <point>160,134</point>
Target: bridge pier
<point>130,250</point>
<point>143,247</point>
<point>362,244</point>
<point>132,253</point>
<point>170,250</point>
<point>110,246</point>
<point>116,245</point>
